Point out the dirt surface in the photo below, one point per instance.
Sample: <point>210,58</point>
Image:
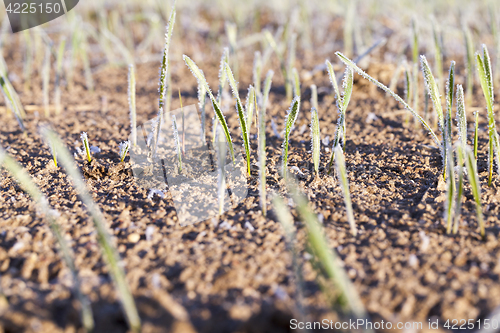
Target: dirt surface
<point>234,274</point>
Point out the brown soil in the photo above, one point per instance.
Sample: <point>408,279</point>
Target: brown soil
<point>225,275</point>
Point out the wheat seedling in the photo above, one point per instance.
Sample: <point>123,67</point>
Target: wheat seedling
<point>296,82</point>
<point>433,91</point>
<point>486,79</point>
<point>344,184</point>
<point>352,65</point>
<point>250,107</point>
<point>257,72</point>
<point>315,141</point>
<point>222,84</point>
<point>314,96</point>
<point>11,100</point>
<point>221,163</point>
<point>469,60</point>
<point>291,116</point>
<point>241,114</point>
<point>104,238</point>
<point>461,118</point>
<point>342,104</point>
<point>177,144</point>
<point>163,78</point>
<point>262,142</point>
<point>26,182</point>
<point>286,219</point>
<point>450,86</point>
<point>328,260</point>
<point>198,74</point>
<point>232,36</point>
<point>57,84</point>
<point>131,104</point>
<point>124,148</point>
<point>46,81</point>
<point>202,98</point>
<point>450,188</point>
<point>472,175</point>
<point>460,186</point>
<point>333,79</point>
<point>86,146</point>
<point>438,54</point>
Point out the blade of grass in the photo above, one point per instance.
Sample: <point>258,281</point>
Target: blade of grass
<point>241,114</point>
<point>250,107</point>
<point>472,175</point>
<point>262,142</point>
<point>342,104</point>
<point>486,79</point>
<point>198,74</point>
<point>460,185</point>
<point>344,184</point>
<point>296,82</point>
<point>27,184</point>
<point>104,238</point>
<point>291,116</point>
<point>433,91</point>
<point>327,258</point>
<point>177,144</point>
<point>450,189</point>
<point>131,103</point>
<point>257,72</point>
<point>315,141</point>
<point>163,78</point>
<point>314,96</point>
<point>387,90</point>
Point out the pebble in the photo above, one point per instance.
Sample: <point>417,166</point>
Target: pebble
<point>133,238</point>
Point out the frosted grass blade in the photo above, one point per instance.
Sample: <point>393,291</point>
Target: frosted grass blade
<point>314,96</point>
<point>257,72</point>
<point>177,144</point>
<point>27,184</point>
<point>163,78</point>
<point>131,103</point>
<point>262,142</point>
<point>387,90</point>
<point>198,74</point>
<point>327,258</point>
<point>342,104</point>
<point>342,176</point>
<point>333,80</point>
<point>461,118</point>
<point>296,82</point>
<point>290,119</point>
<point>222,83</point>
<point>315,141</point>
<point>241,114</point>
<point>450,189</point>
<point>108,250</point>
<point>250,108</point>
<point>460,185</point>
<point>471,165</point>
<point>486,79</point>
<point>433,91</point>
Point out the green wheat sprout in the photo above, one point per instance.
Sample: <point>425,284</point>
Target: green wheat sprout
<point>472,175</point>
<point>131,103</point>
<point>26,182</point>
<point>433,91</point>
<point>314,96</point>
<point>221,163</point>
<point>344,184</point>
<point>450,189</point>
<point>104,238</point>
<point>450,86</point>
<point>486,79</point>
<point>296,82</point>
<point>460,185</point>
<point>198,74</point>
<point>46,80</point>
<point>257,72</point>
<point>315,141</point>
<point>342,103</point>
<point>163,78</point>
<point>262,142</point>
<point>202,98</point>
<point>352,65</point>
<point>469,60</point>
<point>286,220</point>
<point>461,118</point>
<point>241,114</point>
<point>86,146</point>
<point>59,67</point>
<point>290,119</point>
<point>222,84</point>
<point>250,107</point>
<point>327,258</point>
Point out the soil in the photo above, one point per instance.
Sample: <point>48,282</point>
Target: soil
<point>234,273</point>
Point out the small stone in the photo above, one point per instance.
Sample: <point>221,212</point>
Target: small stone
<point>133,238</point>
